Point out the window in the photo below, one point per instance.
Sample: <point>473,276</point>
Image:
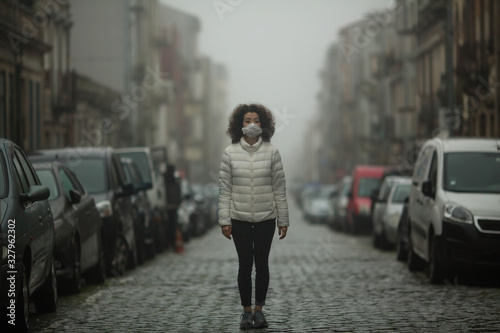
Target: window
<point>433,172</point>
<point>367,186</point>
<point>472,172</point>
<point>23,182</point>
<point>66,183</point>
<point>422,163</point>
<point>46,177</point>
<point>141,160</point>
<point>401,192</point>
<point>28,170</point>
<point>385,190</point>
<point>92,174</point>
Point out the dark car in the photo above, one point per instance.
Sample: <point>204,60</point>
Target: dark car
<point>151,165</point>
<point>144,233</point>
<point>195,201</point>
<point>28,241</point>
<point>100,171</point>
<point>77,223</point>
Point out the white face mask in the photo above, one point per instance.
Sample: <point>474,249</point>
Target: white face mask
<point>252,130</point>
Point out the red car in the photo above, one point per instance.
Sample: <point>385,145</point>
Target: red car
<point>365,179</point>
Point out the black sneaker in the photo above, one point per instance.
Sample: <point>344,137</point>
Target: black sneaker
<point>246,320</point>
<point>259,320</point>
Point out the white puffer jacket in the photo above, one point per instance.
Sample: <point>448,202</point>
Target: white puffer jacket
<point>252,184</point>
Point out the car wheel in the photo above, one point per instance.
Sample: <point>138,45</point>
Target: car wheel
<point>46,297</point>
<point>415,263</point>
<point>121,254</point>
<point>401,248</point>
<point>436,271</point>
<point>97,274</point>
<point>75,284</point>
<point>22,302</point>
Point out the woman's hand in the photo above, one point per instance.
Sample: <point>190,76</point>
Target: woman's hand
<point>282,232</point>
<point>226,231</point>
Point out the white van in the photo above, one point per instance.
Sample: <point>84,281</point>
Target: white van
<point>454,207</point>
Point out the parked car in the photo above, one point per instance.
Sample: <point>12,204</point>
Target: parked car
<point>318,204</point>
<point>77,223</point>
<point>340,201</point>
<point>365,179</point>
<point>211,191</point>
<point>305,191</point>
<point>204,204</point>
<point>144,233</point>
<point>454,210</point>
<point>101,173</point>
<point>151,170</point>
<point>388,209</point>
<point>402,235</point>
<point>28,240</point>
<point>192,203</point>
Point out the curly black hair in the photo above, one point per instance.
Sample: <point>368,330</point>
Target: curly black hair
<point>266,118</point>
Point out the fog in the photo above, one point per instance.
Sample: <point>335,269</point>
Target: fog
<point>273,51</point>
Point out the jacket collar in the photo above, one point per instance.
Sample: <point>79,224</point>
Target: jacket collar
<point>251,148</point>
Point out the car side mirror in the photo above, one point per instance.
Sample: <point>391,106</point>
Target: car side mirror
<point>36,193</point>
<point>145,186</point>
<point>427,189</point>
<point>74,196</point>
<point>126,190</point>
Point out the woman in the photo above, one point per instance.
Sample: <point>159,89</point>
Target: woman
<point>252,196</point>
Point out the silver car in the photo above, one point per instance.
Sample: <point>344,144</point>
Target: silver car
<point>387,210</point>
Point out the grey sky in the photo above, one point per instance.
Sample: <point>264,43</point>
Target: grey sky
<point>274,50</point>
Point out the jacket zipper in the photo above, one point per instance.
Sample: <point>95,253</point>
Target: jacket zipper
<point>251,181</point>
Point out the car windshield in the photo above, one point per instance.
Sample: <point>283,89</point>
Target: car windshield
<point>47,178</point>
<point>367,185</point>
<point>401,192</point>
<point>92,175</point>
<point>3,178</point>
<point>142,163</point>
<point>326,193</point>
<point>472,172</point>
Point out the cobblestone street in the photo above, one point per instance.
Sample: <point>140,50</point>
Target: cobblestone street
<point>321,281</point>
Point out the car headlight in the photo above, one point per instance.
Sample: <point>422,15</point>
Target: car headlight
<point>456,213</point>
<point>4,252</point>
<point>104,208</point>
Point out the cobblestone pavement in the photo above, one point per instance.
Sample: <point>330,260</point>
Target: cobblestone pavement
<point>321,281</point>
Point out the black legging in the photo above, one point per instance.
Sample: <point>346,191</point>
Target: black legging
<point>253,241</point>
